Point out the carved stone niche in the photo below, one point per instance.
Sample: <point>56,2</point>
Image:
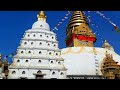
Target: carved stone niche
<point>39,75</point>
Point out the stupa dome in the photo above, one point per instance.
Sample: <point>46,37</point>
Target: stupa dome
<point>41,25</point>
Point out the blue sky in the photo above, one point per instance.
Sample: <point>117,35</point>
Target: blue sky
<point>13,24</point>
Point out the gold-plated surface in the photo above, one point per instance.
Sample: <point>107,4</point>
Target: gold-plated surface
<point>110,67</point>
<point>41,16</point>
<point>78,25</point>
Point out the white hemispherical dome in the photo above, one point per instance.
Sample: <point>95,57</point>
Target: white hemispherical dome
<point>83,60</point>
<point>41,25</point>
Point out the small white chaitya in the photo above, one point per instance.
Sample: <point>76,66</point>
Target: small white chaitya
<point>38,55</point>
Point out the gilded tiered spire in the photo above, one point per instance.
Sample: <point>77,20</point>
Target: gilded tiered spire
<point>77,18</point>
<point>41,16</point>
<point>79,30</point>
<point>110,67</point>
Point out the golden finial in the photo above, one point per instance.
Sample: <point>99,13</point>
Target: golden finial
<point>77,18</point>
<point>41,16</point>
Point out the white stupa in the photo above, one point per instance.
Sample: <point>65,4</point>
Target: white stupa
<point>38,55</point>
<point>82,59</point>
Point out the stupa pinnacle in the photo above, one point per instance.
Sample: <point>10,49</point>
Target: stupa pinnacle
<point>78,31</point>
<point>77,18</point>
<point>41,16</point>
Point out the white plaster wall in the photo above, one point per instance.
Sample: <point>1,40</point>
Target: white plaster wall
<point>23,45</point>
<point>36,53</point>
<point>40,30</point>
<point>54,64</point>
<point>79,64</point>
<point>42,37</point>
<point>50,55</point>
<point>32,71</point>
<point>28,73</point>
<point>23,75</point>
<point>83,63</point>
<point>52,39</point>
<point>56,45</point>
<point>44,45</point>
<point>35,63</point>
<point>15,63</point>
<point>49,46</point>
<point>21,54</point>
<point>13,76</point>
<point>37,44</point>
<point>25,64</point>
<point>47,72</point>
<point>30,45</point>
<point>28,37</point>
<point>56,56</point>
<point>27,54</point>
<point>62,76</point>
<point>48,38</point>
<point>32,36</point>
<point>56,75</point>
<point>61,64</point>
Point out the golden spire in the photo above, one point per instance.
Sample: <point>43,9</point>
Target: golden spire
<point>41,16</point>
<point>77,18</point>
<point>79,27</point>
